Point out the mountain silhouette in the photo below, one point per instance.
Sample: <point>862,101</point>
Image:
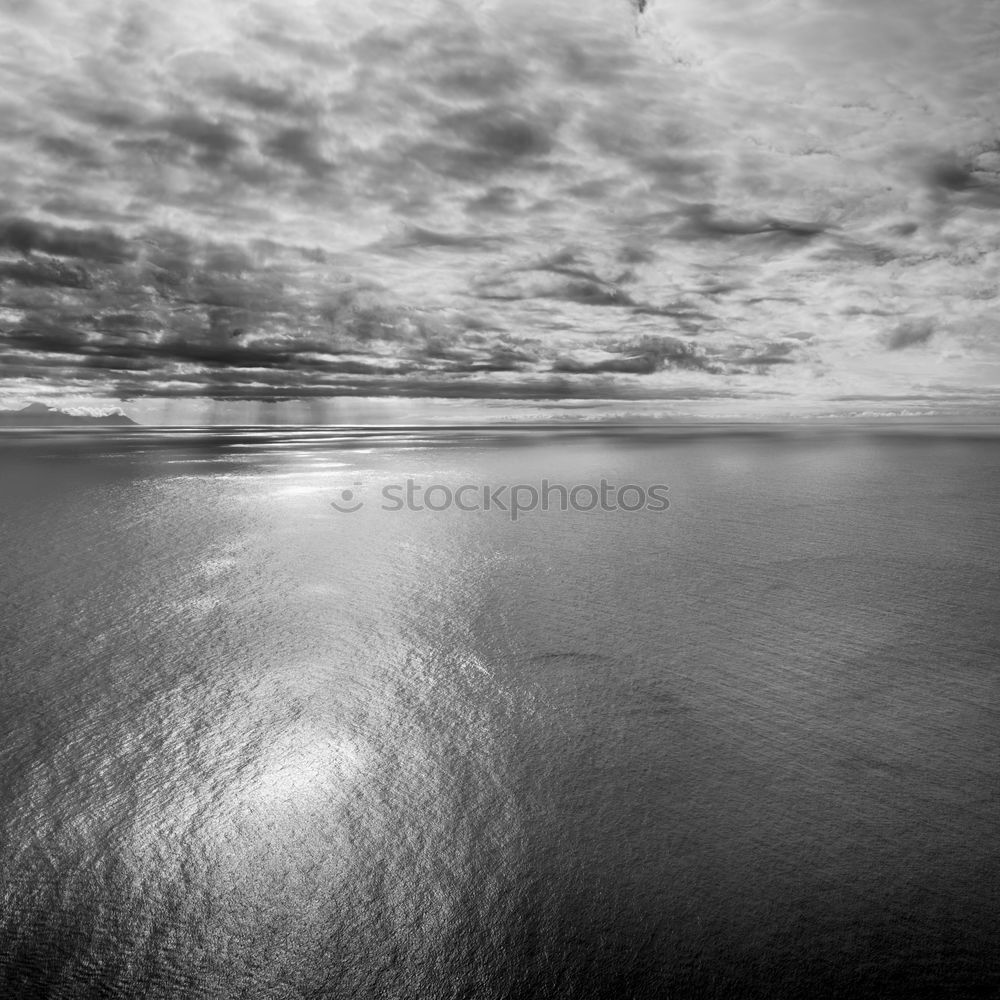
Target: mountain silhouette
<point>41,415</point>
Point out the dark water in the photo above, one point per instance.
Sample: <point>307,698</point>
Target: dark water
<point>745,747</point>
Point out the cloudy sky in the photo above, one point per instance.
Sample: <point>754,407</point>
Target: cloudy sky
<point>245,201</point>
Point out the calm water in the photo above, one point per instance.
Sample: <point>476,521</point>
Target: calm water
<point>254,747</point>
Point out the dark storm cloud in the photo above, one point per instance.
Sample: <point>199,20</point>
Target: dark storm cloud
<point>956,183</point>
<point>639,364</point>
<point>26,236</point>
<point>256,294</point>
<point>488,139</point>
<point>588,293</point>
<point>910,333</point>
<point>673,172</point>
<point>192,303</point>
<point>500,357</point>
<point>212,141</point>
<point>418,236</point>
<point>299,146</point>
<point>79,154</point>
<point>507,357</point>
<point>950,176</point>
<point>672,352</point>
<point>127,338</point>
<point>41,272</point>
<point>702,221</point>
<point>62,333</point>
<point>514,287</point>
<point>129,321</point>
<point>256,95</point>
<point>634,253</point>
<point>687,316</point>
<point>208,296</point>
<point>90,105</point>
<point>572,265</point>
<point>565,276</point>
<point>68,371</point>
<point>643,356</point>
<point>228,259</point>
<point>778,353</point>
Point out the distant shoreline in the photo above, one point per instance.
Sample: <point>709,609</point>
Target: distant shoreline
<point>392,433</point>
<point>41,416</point>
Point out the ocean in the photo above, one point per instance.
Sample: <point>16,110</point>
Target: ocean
<point>269,729</point>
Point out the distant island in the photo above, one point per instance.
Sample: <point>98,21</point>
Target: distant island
<point>40,415</point>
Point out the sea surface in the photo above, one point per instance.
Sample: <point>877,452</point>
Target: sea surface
<point>252,746</point>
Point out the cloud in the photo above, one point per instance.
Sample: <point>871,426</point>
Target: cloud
<point>26,236</point>
<point>587,197</point>
<point>909,334</point>
<point>299,146</point>
<point>44,273</point>
<point>211,141</point>
<point>478,144</point>
<point>636,364</point>
<point>701,221</point>
<point>260,97</point>
<point>418,236</point>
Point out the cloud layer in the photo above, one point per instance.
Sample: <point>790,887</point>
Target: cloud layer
<point>257,200</point>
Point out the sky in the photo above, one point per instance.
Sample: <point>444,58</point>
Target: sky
<point>246,207</point>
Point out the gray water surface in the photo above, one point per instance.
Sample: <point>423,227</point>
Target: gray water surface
<point>744,747</point>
